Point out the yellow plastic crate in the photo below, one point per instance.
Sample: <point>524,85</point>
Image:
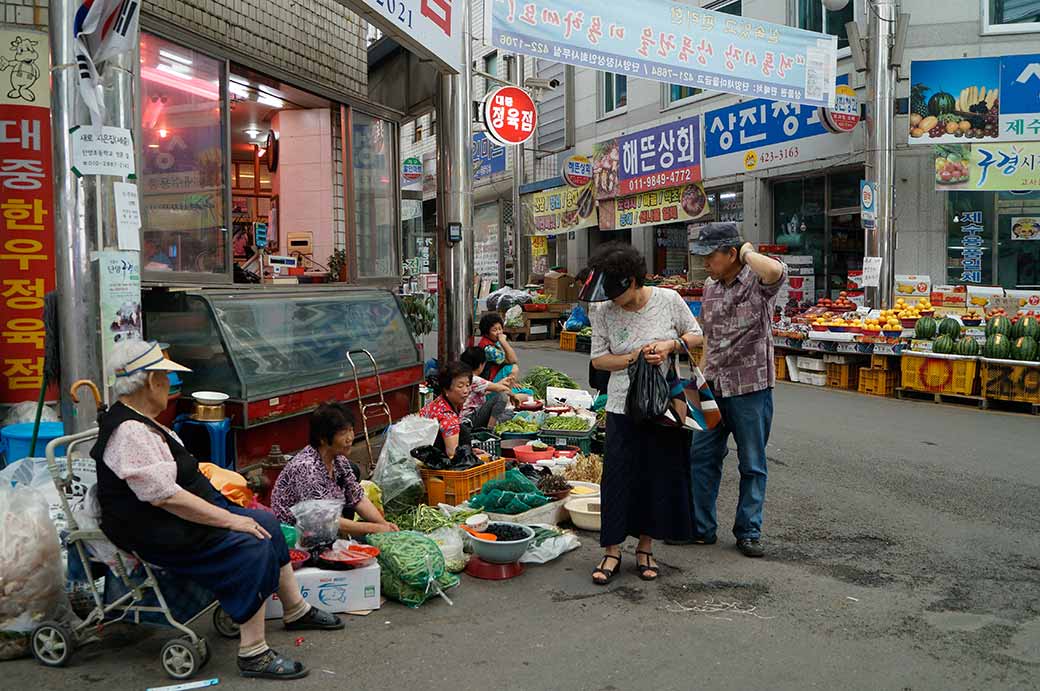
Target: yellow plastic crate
<point>934,373</point>
<point>781,368</point>
<point>877,382</point>
<point>568,340</point>
<point>456,486</point>
<point>1006,380</point>
<point>842,376</point>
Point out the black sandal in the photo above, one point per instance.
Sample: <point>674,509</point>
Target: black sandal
<point>608,574</point>
<point>648,572</point>
<point>316,620</point>
<point>271,665</point>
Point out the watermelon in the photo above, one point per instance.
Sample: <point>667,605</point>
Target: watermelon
<point>967,346</point>
<point>925,328</point>
<point>950,327</point>
<point>944,345</point>
<point>941,103</point>
<point>998,347</point>
<point>1026,349</point>
<point>1026,326</point>
<point>998,325</point>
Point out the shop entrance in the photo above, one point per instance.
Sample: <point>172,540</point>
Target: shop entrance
<point>818,218</point>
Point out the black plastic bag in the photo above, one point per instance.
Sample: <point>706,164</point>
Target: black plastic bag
<point>432,457</point>
<point>647,391</point>
<point>464,459</point>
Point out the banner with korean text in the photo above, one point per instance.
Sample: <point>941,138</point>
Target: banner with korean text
<point>672,205</point>
<point>665,156</point>
<point>673,42</point>
<point>559,210</point>
<point>996,167</point>
<point>26,211</point>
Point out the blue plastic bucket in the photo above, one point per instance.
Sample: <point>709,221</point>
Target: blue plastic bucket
<point>15,440</point>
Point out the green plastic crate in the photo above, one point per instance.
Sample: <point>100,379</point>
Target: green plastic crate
<point>582,440</point>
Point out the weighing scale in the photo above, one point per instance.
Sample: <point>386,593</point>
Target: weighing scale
<point>478,568</point>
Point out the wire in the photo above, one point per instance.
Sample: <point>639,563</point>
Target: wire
<point>870,6</point>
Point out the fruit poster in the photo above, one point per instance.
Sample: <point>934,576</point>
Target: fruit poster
<point>999,166</point>
<point>969,99</point>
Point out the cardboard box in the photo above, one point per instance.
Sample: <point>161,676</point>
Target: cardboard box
<point>559,285</point>
<point>979,297</point>
<point>334,591</point>
<point>1025,300</point>
<point>910,286</point>
<point>855,281</point>
<point>949,296</point>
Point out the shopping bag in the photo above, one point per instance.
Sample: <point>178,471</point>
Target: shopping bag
<point>691,403</point>
<point>647,391</point>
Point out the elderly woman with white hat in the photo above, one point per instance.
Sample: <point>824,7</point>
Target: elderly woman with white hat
<point>155,503</point>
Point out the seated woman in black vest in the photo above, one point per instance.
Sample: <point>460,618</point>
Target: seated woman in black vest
<point>155,503</point>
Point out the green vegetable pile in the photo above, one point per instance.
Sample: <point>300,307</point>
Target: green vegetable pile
<point>542,534</point>
<point>540,378</point>
<point>541,299</point>
<point>587,331</point>
<point>567,423</point>
<point>423,519</point>
<point>517,425</point>
<point>411,563</point>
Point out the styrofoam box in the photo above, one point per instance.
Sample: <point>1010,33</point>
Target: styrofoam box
<point>811,364</point>
<point>836,359</point>
<point>792,368</point>
<point>814,378</point>
<point>356,590</point>
<point>539,329</point>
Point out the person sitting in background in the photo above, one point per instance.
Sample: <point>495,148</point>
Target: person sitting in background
<point>156,503</point>
<point>486,404</point>
<point>321,470</point>
<point>501,359</point>
<point>452,385</point>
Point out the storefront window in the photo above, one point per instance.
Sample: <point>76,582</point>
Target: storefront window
<point>374,196</point>
<point>726,204</point>
<point>800,223</point>
<point>969,223</point>
<point>183,166</point>
<point>1018,239</point>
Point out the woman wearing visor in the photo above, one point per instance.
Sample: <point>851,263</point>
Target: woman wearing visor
<point>646,470</point>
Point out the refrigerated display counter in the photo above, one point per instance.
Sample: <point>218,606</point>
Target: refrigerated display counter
<point>280,352</point>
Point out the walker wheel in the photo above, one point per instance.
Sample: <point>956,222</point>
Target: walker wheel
<point>202,647</point>
<point>223,623</point>
<point>180,659</point>
<point>52,644</point>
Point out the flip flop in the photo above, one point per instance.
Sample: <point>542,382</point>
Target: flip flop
<point>271,665</point>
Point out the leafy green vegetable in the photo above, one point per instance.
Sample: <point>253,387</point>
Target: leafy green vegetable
<point>569,423</point>
<point>540,378</point>
<point>587,331</point>
<point>517,425</point>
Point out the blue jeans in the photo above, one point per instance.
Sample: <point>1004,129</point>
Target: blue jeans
<point>748,418</point>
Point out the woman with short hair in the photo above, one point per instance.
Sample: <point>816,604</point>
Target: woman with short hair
<point>501,359</point>
<point>451,384</point>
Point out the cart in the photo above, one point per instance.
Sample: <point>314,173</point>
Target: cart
<point>137,596</point>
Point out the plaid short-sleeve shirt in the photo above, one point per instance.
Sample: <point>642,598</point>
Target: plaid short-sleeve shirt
<point>738,333</point>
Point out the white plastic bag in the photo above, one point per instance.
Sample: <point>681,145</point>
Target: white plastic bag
<point>451,544</point>
<point>396,472</point>
<point>551,549</point>
<point>33,473</point>
<point>26,412</point>
<point>317,521</point>
<point>32,578</point>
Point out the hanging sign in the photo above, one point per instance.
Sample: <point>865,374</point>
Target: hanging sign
<point>510,115</point>
<point>845,114</point>
<point>488,157</point>
<point>868,203</point>
<point>102,151</point>
<point>674,205</point>
<point>673,42</point>
<point>119,287</point>
<point>26,212</point>
<point>577,171</point>
<point>1000,166</point>
<point>559,210</point>
<point>430,28</point>
<point>411,169</point>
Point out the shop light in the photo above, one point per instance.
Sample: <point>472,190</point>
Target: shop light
<point>240,90</point>
<point>170,55</point>
<point>269,100</point>
<point>253,132</point>
<point>728,195</point>
<point>181,82</point>
<point>164,133</point>
<point>153,146</point>
<point>180,71</point>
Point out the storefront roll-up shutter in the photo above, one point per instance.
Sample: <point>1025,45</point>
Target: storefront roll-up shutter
<point>552,108</point>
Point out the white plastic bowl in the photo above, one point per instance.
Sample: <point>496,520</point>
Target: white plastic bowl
<point>581,515</point>
<point>588,485</point>
<point>210,397</point>
<point>478,522</point>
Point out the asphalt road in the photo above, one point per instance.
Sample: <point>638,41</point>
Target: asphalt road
<point>902,554</point>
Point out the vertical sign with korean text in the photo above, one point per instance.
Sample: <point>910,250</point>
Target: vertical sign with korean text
<point>972,241</point>
<point>488,157</point>
<point>673,42</point>
<point>27,210</point>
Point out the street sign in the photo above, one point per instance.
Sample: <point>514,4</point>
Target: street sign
<point>510,115</point>
<point>845,114</point>
<point>488,157</point>
<point>411,169</point>
<point>577,171</point>
<point>867,203</point>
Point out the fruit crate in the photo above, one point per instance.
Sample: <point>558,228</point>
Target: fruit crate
<point>556,437</point>
<point>877,382</point>
<point>456,486</point>
<point>568,340</point>
<point>488,441</point>
<point>842,376</point>
<point>882,362</point>
<point>939,373</point>
<point>583,344</point>
<point>1011,380</point>
<point>781,367</point>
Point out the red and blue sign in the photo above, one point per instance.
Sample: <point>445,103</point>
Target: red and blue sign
<point>661,157</point>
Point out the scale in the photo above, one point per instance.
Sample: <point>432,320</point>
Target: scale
<point>478,568</point>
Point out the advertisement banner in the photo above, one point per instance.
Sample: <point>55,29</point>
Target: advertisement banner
<point>119,285</point>
<point>673,42</point>
<point>993,167</point>
<point>964,99</point>
<point>674,205</point>
<point>658,158</point>
<point>488,157</point>
<point>26,212</point>
<point>559,210</point>
<point>1025,228</point>
<point>761,133</point>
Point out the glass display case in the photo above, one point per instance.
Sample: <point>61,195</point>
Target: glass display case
<point>261,344</point>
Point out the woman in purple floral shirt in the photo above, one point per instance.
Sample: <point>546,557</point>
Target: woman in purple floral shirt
<point>322,471</point>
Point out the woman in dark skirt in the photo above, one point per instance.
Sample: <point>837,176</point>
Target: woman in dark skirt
<point>646,472</point>
<point>155,502</point>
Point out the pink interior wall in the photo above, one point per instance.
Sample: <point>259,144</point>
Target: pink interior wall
<point>303,181</point>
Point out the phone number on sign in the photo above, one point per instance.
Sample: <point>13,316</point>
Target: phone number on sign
<point>645,183</point>
<point>787,154</point>
<point>520,44</point>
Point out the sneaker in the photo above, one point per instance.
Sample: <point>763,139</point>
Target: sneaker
<point>695,540</point>
<point>751,547</point>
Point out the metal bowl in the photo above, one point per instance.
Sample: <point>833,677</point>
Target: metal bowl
<point>501,552</point>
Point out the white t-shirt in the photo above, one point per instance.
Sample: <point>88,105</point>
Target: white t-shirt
<point>615,331</point>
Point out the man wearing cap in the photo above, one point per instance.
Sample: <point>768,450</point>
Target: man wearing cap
<point>736,315</point>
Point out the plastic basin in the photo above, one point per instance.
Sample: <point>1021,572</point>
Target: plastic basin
<point>582,513</point>
<point>526,454</point>
<point>501,552</point>
<point>16,439</point>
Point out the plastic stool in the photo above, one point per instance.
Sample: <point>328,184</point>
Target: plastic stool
<point>218,435</point>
